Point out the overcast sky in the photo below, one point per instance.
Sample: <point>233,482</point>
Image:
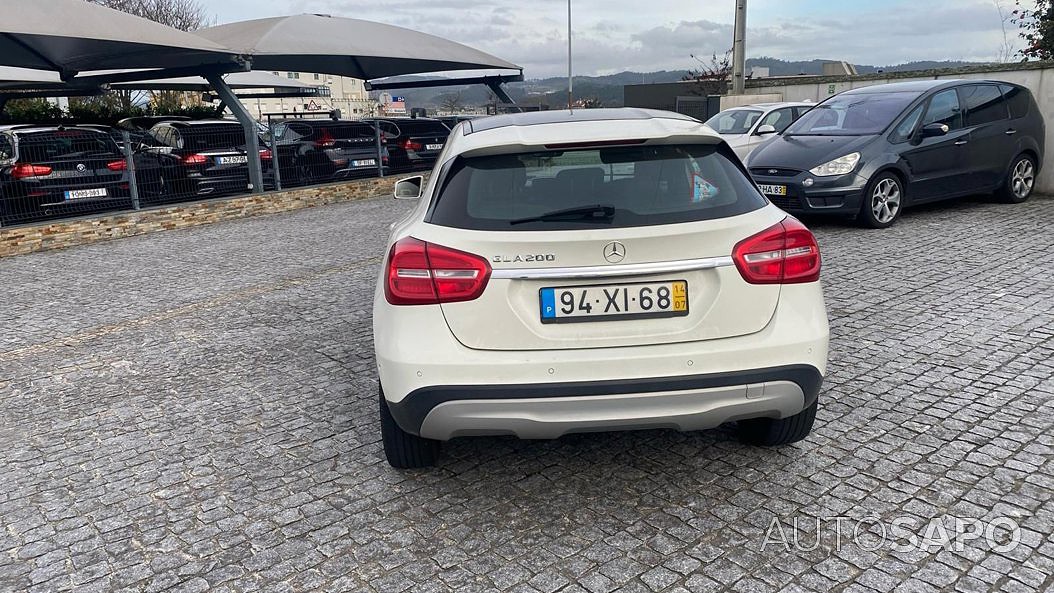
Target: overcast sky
<point>645,35</point>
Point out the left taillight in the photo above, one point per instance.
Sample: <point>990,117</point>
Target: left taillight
<point>785,253</point>
<point>421,273</point>
<point>25,171</point>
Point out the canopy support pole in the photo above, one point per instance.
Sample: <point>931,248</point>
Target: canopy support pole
<point>499,91</point>
<point>252,134</point>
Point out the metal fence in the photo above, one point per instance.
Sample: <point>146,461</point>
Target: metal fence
<point>50,172</point>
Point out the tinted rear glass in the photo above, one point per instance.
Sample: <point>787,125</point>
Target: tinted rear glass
<point>198,138</point>
<point>64,144</point>
<point>417,128</point>
<point>856,114</point>
<point>643,185</point>
<point>983,104</point>
<point>1018,100</point>
<point>334,131</point>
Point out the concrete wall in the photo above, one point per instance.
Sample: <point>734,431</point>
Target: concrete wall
<point>729,101</point>
<point>1036,76</point>
<point>79,231</point>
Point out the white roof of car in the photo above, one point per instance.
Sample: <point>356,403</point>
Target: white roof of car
<point>771,106</point>
<point>539,129</point>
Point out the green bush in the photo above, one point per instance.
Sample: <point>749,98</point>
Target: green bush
<point>39,111</point>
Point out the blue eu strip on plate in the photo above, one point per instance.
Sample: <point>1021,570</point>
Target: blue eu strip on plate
<point>548,303</point>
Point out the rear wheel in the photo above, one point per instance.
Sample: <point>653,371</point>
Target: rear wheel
<point>883,200</point>
<point>770,431</point>
<point>1019,181</point>
<point>402,449</point>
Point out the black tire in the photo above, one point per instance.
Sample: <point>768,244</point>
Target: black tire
<point>769,432</point>
<point>402,449</point>
<point>1010,192</point>
<point>867,216</point>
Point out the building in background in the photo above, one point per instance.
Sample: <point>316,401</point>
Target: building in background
<point>337,92</point>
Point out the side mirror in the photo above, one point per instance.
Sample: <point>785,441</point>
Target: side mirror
<point>409,188</point>
<point>765,130</point>
<point>933,130</point>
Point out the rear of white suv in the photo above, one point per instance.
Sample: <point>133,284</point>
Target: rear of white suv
<point>594,270</point>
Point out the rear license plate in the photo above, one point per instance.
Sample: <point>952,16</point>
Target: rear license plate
<point>365,163</point>
<point>433,147</point>
<point>80,194</point>
<point>232,160</point>
<point>773,190</point>
<point>610,302</point>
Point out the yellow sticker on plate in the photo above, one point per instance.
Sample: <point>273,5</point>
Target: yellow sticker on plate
<point>680,296</point>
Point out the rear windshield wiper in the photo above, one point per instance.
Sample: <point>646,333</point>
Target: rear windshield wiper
<point>598,213</point>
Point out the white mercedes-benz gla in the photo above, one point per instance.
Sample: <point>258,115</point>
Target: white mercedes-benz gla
<point>605,269</point>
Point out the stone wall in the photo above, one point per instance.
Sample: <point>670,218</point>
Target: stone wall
<point>78,231</point>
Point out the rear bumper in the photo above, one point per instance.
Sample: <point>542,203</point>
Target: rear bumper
<point>436,386</point>
<point>826,195</point>
<point>550,410</point>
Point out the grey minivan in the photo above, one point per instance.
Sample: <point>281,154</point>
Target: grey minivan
<point>873,151</point>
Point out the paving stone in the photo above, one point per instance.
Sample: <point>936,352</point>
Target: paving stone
<point>195,409</point>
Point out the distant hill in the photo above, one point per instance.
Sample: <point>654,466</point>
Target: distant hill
<point>608,88</point>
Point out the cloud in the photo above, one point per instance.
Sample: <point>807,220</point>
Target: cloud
<point>616,35</point>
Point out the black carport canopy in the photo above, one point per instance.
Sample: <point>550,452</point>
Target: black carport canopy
<point>70,36</point>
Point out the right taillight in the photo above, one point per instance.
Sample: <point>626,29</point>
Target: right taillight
<point>785,253</point>
<point>421,273</point>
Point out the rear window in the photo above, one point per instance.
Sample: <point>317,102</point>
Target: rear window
<point>638,186</point>
<point>64,144</point>
<point>983,104</point>
<point>198,138</point>
<point>1017,99</point>
<point>334,131</point>
<point>418,128</point>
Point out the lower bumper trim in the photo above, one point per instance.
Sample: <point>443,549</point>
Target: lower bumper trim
<point>412,411</point>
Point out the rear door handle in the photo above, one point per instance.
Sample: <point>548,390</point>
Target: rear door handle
<point>1011,132</point>
<point>961,142</point>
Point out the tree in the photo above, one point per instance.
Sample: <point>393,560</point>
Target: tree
<point>1007,48</point>
<point>710,75</point>
<point>185,15</point>
<point>1037,28</point>
<point>452,103</point>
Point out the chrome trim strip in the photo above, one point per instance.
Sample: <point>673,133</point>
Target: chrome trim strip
<point>614,271</point>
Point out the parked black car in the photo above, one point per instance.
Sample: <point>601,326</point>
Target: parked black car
<point>185,159</point>
<point>871,152</point>
<point>48,171</point>
<point>322,150</point>
<point>413,143</point>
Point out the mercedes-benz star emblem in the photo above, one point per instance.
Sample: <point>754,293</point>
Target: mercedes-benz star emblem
<point>614,252</point>
<point>82,167</point>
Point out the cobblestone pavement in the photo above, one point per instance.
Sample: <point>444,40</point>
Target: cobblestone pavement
<point>195,410</point>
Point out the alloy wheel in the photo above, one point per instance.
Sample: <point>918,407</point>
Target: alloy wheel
<point>1022,179</point>
<point>885,200</point>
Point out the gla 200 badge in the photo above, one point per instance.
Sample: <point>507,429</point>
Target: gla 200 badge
<point>511,259</point>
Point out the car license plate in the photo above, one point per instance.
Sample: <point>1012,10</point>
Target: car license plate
<point>614,301</point>
<point>773,190</point>
<point>232,160</point>
<point>80,194</point>
<point>365,163</point>
<point>433,147</point>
